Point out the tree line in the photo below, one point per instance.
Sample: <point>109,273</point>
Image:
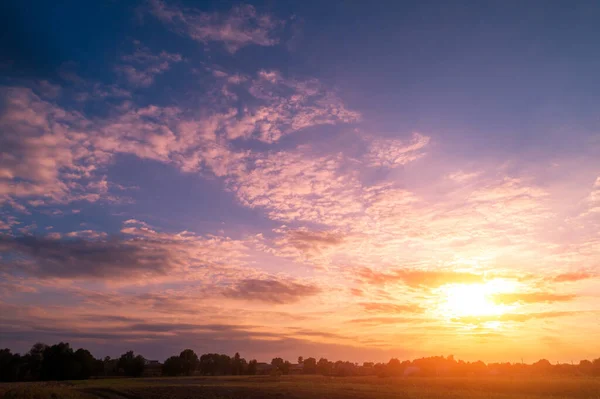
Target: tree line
<point>61,362</point>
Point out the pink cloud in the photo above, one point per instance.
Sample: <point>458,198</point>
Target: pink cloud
<point>391,153</point>
<point>142,67</point>
<point>47,154</point>
<point>287,106</point>
<point>573,276</point>
<point>240,27</point>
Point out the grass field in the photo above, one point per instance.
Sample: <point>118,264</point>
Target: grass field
<point>300,387</point>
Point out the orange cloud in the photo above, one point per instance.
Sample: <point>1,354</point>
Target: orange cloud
<point>533,297</point>
<point>512,317</point>
<point>383,307</point>
<point>572,277</point>
<point>384,320</point>
<point>419,278</point>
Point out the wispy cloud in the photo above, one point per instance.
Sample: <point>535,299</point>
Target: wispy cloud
<point>285,106</point>
<point>139,251</point>
<point>240,27</point>
<point>386,307</point>
<point>391,153</point>
<point>573,276</point>
<point>83,258</point>
<point>514,317</point>
<point>418,278</point>
<point>531,297</point>
<point>142,66</point>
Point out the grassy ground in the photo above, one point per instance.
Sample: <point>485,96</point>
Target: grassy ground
<point>313,387</point>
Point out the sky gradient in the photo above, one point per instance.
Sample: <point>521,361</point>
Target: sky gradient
<point>349,180</point>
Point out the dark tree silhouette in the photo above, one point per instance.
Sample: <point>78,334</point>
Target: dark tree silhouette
<point>131,365</point>
<point>35,358</point>
<point>251,370</point>
<point>324,366</point>
<point>189,360</point>
<point>10,365</point>
<point>61,362</point>
<point>310,365</point>
<point>86,362</point>
<point>173,366</point>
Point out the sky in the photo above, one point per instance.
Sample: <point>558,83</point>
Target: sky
<point>349,180</point>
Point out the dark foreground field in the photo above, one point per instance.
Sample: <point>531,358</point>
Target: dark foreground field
<point>300,387</point>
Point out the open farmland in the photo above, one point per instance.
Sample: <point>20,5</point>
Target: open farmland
<point>300,387</point>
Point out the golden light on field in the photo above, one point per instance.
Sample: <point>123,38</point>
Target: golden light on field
<point>459,300</point>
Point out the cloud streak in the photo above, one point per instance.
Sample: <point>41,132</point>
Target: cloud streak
<point>532,297</point>
<point>418,278</point>
<point>271,291</point>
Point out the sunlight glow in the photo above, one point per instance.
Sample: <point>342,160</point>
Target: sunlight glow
<point>473,299</point>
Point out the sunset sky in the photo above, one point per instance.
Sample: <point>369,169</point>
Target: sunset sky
<point>340,179</point>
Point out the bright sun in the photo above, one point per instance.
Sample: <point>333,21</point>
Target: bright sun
<point>473,299</point>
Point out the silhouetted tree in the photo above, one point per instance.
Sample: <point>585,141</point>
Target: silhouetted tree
<point>9,366</point>
<point>596,367</point>
<point>190,361</point>
<point>310,365</point>
<point>394,367</point>
<point>251,370</point>
<point>35,358</point>
<point>59,363</point>
<point>131,365</point>
<point>278,363</point>
<point>173,366</point>
<point>215,364</point>
<point>86,364</point>
<point>324,367</point>
<point>237,366</point>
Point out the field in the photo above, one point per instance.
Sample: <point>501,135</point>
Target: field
<point>313,387</point>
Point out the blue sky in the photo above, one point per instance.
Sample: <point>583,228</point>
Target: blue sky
<point>333,171</point>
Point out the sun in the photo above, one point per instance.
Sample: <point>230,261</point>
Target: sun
<point>459,300</point>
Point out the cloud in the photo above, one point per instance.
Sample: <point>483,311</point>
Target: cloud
<point>391,153</point>
<point>304,239</point>
<point>592,201</point>
<point>54,155</point>
<point>88,234</point>
<point>293,185</point>
<point>302,243</point>
<point>44,151</point>
<point>572,277</point>
<point>418,278</point>
<point>533,297</point>
<point>241,26</point>
<point>138,252</point>
<point>512,317</point>
<point>80,258</point>
<point>143,66</point>
<point>374,321</point>
<point>283,106</point>
<point>8,222</point>
<point>385,307</point>
<point>271,291</point>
